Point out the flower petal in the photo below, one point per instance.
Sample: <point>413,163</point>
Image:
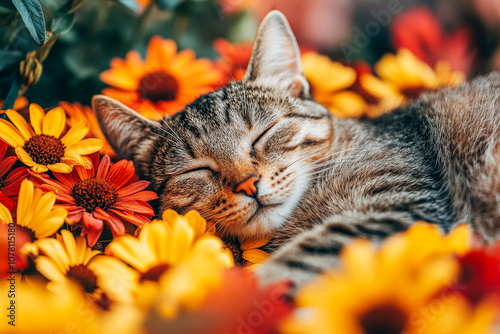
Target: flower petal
<point>37,168</point>
<point>60,167</point>
<point>76,133</point>
<point>255,256</point>
<point>10,135</point>
<point>24,157</point>
<point>86,146</point>
<point>20,123</point>
<point>36,117</point>
<point>53,123</point>
<point>254,243</point>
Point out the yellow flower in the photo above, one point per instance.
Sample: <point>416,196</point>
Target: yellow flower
<point>328,80</point>
<point>403,76</point>
<point>77,113</point>
<point>383,291</point>
<point>38,145</point>
<point>247,253</point>
<point>35,212</point>
<point>177,264</point>
<point>40,310</point>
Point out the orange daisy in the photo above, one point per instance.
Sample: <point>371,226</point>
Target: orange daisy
<point>77,113</point>
<point>162,84</point>
<point>104,194</point>
<point>234,58</point>
<point>9,183</point>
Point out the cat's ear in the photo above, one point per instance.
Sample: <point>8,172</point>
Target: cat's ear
<point>130,134</point>
<point>276,56</point>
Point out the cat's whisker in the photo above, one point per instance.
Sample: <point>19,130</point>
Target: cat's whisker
<point>173,132</point>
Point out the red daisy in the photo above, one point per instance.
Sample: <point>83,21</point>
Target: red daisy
<point>108,195</point>
<point>9,184</point>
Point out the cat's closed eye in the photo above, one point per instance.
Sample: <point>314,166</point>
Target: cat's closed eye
<point>196,169</point>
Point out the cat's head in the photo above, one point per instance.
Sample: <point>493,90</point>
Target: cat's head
<point>241,155</point>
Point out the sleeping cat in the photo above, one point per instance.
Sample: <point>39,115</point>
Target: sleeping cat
<point>261,158</point>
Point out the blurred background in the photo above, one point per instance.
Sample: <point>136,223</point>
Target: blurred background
<point>84,35</point>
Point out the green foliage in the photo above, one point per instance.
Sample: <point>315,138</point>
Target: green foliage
<point>32,15</point>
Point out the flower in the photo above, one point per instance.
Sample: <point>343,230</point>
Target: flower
<point>77,113</point>
<point>106,194</point>
<point>329,81</point>
<point>164,83</point>
<point>247,253</point>
<point>20,103</point>
<point>403,76</point>
<point>9,183</point>
<point>38,146</point>
<point>42,310</point>
<point>234,58</point>
<point>35,212</point>
<point>419,31</point>
<point>388,290</point>
<point>167,254</point>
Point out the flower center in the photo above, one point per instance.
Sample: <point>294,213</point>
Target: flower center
<point>234,246</point>
<point>158,87</point>
<point>154,273</point>
<point>44,149</point>
<point>94,193</point>
<point>383,319</point>
<point>83,276</point>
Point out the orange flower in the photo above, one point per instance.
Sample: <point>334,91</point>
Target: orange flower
<point>107,194</point>
<point>76,113</point>
<point>234,58</point>
<point>162,84</point>
<point>9,183</point>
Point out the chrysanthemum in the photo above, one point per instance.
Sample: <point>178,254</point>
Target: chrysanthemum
<point>105,193</point>
<point>234,58</point>
<point>403,76</point>
<point>35,212</point>
<point>329,81</point>
<point>385,291</point>
<point>177,255</point>
<point>162,84</point>
<point>9,183</point>
<point>77,113</point>
<point>38,145</point>
<point>247,253</point>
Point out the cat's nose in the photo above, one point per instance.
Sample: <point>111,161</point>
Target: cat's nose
<point>248,186</point>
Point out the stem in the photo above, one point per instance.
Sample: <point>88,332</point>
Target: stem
<point>140,26</point>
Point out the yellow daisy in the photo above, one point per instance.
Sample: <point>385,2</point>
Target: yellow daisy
<point>38,145</point>
<point>383,291</point>
<point>329,81</point>
<point>177,264</point>
<point>67,259</point>
<point>35,212</point>
<point>247,253</point>
<point>42,310</point>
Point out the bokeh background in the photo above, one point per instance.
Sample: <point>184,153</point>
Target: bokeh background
<point>466,33</point>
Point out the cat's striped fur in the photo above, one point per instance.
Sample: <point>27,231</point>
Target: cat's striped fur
<point>322,181</point>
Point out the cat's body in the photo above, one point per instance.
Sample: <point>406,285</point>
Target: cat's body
<point>260,157</point>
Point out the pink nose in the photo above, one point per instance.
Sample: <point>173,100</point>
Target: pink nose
<point>248,186</point>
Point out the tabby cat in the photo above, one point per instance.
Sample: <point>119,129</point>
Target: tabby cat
<point>260,157</point>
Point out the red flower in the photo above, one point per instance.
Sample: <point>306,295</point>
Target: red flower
<point>479,274</point>
<point>234,58</point>
<point>107,195</point>
<point>419,31</point>
<point>256,310</point>
<point>9,184</point>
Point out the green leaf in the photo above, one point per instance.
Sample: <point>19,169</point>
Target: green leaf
<point>32,15</point>
<point>167,4</point>
<point>9,58</point>
<point>7,4</point>
<point>12,95</point>
<point>61,24</point>
<point>130,4</point>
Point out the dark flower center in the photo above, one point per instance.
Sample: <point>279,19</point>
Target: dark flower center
<point>234,246</point>
<point>154,273</point>
<point>83,276</point>
<point>158,87</point>
<point>383,319</point>
<point>94,193</point>
<point>27,232</point>
<point>44,149</point>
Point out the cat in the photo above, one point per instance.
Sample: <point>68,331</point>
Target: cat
<point>261,158</point>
